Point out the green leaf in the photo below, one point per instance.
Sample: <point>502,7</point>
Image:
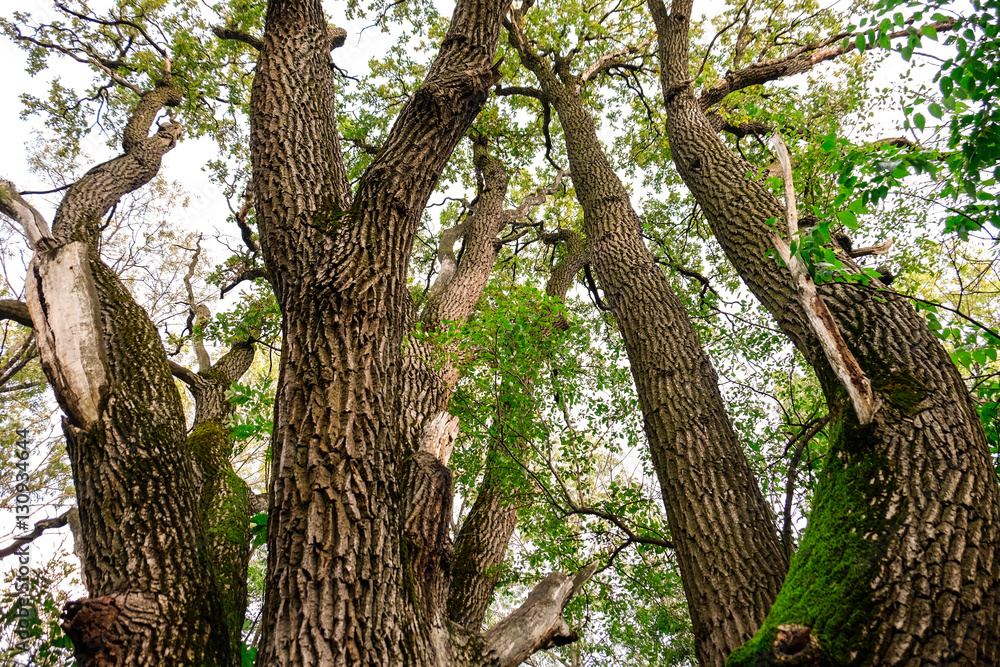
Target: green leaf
<point>848,218</point>
<point>919,121</point>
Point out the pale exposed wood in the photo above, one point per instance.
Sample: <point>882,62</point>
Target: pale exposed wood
<point>64,306</point>
<point>439,436</point>
<point>838,355</point>
<point>538,623</point>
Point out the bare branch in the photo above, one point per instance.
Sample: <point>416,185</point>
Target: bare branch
<point>802,439</point>
<point>243,276</point>
<point>14,206</point>
<point>199,312</point>
<point>838,355</point>
<point>536,198</point>
<point>186,375</point>
<point>36,532</point>
<point>615,59</point>
<point>526,91</point>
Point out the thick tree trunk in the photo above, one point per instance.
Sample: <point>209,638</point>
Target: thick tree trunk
<point>899,564</point>
<point>154,598</point>
<point>344,584</point>
<point>731,561</point>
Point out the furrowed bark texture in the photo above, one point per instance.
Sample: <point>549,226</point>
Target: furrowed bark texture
<point>429,371</point>
<point>342,587</point>
<point>154,598</point>
<point>483,538</point>
<point>224,498</point>
<point>899,563</point>
<point>701,467</point>
<point>727,547</point>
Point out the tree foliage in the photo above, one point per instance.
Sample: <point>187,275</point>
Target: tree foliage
<point>395,263</point>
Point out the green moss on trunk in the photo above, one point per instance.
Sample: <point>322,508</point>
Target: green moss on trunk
<point>828,588</point>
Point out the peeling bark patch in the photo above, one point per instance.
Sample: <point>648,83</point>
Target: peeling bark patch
<point>857,375</point>
<point>62,299</point>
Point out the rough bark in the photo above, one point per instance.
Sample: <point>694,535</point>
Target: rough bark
<point>153,596</point>
<point>343,579</point>
<point>727,547</point>
<point>899,564</point>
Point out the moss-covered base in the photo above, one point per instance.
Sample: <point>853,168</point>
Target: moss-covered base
<point>829,585</point>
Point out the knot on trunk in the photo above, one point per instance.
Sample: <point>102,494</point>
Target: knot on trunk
<point>336,37</point>
<point>796,645</point>
<point>88,623</point>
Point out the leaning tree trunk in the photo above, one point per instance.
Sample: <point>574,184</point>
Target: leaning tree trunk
<point>153,593</point>
<point>731,561</point>
<point>899,564</point>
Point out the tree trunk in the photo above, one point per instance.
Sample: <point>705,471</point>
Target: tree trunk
<point>899,564</point>
<point>731,561</point>
<point>346,578</point>
<point>153,594</point>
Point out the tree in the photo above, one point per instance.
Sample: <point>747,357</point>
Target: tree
<point>880,495</point>
<point>696,455</point>
<point>361,567</point>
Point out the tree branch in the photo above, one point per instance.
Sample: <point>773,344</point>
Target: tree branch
<point>36,532</point>
<point>802,440</point>
<point>12,309</point>
<point>798,61</point>
<point>186,375</point>
<point>15,207</point>
<point>526,91</point>
<point>538,623</point>
<point>536,198</point>
<point>238,36</point>
<point>614,59</point>
<point>199,312</point>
